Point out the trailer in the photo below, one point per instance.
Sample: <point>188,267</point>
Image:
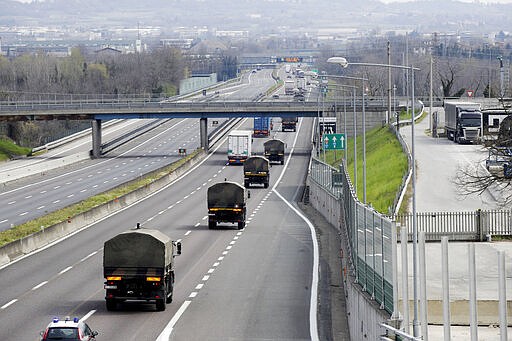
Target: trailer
<point>261,126</point>
<point>274,150</point>
<point>256,171</point>
<point>138,265</point>
<point>239,146</point>
<point>463,121</point>
<point>226,204</point>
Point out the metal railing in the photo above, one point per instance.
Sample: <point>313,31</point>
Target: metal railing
<point>476,225</point>
<point>369,234</point>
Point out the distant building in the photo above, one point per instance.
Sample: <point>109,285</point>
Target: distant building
<point>179,43</point>
<point>108,51</point>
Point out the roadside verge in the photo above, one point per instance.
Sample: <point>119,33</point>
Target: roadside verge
<point>74,222</point>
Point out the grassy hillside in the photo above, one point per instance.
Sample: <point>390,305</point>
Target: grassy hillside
<point>386,164</point>
<point>9,150</point>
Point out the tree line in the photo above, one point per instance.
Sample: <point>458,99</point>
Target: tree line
<point>41,77</point>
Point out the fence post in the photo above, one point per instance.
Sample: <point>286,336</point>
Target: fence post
<point>479,231</point>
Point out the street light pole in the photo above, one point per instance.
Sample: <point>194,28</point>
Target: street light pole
<point>342,61</point>
<point>364,146</point>
<point>345,120</point>
<point>355,127</point>
<point>415,322</point>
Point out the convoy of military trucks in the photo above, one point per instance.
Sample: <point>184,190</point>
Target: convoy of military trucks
<point>138,264</point>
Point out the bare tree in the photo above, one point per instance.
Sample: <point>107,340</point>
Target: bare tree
<point>497,174</point>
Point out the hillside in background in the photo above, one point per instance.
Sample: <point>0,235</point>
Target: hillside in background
<point>259,15</point>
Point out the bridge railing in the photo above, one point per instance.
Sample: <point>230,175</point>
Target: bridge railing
<point>83,101</point>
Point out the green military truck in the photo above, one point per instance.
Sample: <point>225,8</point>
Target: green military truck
<point>274,150</point>
<point>256,171</point>
<point>226,204</point>
<point>138,265</point>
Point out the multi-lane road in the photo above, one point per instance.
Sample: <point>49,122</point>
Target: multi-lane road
<point>256,283</point>
<point>54,189</point>
<point>230,284</point>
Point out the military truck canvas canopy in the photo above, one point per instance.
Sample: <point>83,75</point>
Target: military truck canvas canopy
<point>226,194</point>
<point>256,164</point>
<point>274,146</point>
<point>139,248</point>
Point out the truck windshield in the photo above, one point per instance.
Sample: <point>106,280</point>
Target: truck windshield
<point>471,119</point>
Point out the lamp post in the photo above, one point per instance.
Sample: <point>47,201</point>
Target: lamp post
<point>343,86</point>
<point>344,63</point>
<point>364,126</point>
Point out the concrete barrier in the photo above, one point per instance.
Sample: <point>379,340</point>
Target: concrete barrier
<point>52,233</point>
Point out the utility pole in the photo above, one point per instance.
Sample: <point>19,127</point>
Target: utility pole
<point>389,83</point>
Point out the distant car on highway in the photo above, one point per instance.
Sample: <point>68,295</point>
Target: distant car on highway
<point>69,330</point>
<point>275,96</point>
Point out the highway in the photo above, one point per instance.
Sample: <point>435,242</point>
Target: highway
<point>234,284</point>
<point>230,284</point>
<point>35,196</point>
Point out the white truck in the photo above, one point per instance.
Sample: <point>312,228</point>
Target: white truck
<point>463,121</point>
<point>239,146</point>
<point>289,86</point>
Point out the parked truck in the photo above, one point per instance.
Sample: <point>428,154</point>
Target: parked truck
<point>261,126</point>
<point>138,265</point>
<point>274,150</point>
<point>463,121</point>
<point>239,146</point>
<point>256,171</point>
<point>226,204</point>
<point>289,123</point>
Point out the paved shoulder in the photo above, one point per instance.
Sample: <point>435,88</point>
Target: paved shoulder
<point>332,319</point>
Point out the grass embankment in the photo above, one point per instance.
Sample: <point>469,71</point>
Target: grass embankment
<point>10,150</point>
<point>33,226</point>
<point>386,164</point>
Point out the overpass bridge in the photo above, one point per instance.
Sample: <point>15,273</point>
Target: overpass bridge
<point>98,110</point>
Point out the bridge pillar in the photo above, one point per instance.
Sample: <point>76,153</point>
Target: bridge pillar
<point>203,127</point>
<point>96,139</point>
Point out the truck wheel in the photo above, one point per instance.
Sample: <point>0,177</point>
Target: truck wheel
<point>246,184</point>
<point>282,162</point>
<point>212,224</point>
<point>111,304</point>
<point>160,304</point>
<point>241,225</point>
<point>265,185</point>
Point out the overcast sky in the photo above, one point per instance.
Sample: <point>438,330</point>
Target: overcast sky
<point>389,1</point>
<point>480,1</point>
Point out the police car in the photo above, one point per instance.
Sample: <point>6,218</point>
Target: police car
<point>69,330</point>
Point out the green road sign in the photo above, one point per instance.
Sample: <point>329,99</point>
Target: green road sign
<point>334,141</point>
